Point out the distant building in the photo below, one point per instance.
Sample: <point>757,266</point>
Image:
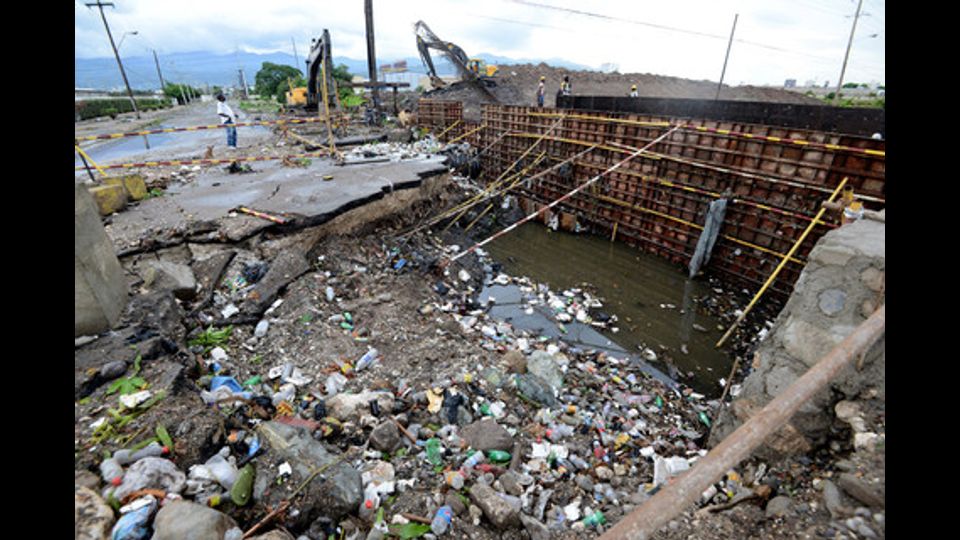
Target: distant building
<point>790,83</point>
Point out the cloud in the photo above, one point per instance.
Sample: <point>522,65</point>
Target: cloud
<point>776,39</point>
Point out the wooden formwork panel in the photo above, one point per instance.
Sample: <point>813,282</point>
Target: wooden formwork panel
<point>778,178</point>
<point>441,117</point>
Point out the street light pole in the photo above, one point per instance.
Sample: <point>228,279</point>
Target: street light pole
<point>727,57</point>
<point>159,74</point>
<point>123,73</point>
<point>836,95</point>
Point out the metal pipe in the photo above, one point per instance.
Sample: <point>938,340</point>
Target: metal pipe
<point>643,523</point>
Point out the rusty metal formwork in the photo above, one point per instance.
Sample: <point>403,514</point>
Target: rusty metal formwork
<point>442,117</point>
<point>657,201</point>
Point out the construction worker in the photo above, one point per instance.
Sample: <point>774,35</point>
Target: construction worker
<point>541,91</point>
<point>633,91</point>
<point>565,86</point>
<point>227,117</point>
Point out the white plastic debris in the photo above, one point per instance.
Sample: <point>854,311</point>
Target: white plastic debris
<point>261,329</point>
<point>229,311</point>
<point>132,400</point>
<point>284,469</point>
<point>464,276</point>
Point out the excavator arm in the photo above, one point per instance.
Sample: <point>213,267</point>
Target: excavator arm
<point>427,40</point>
<point>321,55</point>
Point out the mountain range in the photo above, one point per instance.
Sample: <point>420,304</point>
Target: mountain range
<point>204,68</point>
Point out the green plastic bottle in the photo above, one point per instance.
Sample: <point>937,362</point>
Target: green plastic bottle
<point>433,451</point>
<point>243,486</point>
<point>498,455</point>
<point>704,418</point>
<point>659,402</point>
<point>595,518</point>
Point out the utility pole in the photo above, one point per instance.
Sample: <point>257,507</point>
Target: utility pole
<point>836,95</point>
<point>123,73</point>
<point>296,60</point>
<point>727,57</point>
<point>243,84</point>
<point>159,74</point>
<point>371,55</point>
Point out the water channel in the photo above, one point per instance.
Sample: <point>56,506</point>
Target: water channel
<point>655,302</point>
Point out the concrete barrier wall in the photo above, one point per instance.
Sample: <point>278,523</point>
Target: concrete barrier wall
<point>100,286</point>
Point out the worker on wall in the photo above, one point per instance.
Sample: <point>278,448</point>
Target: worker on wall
<point>227,117</point>
<point>541,91</point>
<point>633,91</point>
<point>565,86</point>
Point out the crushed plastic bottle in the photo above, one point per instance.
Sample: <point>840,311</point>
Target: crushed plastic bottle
<point>367,359</point>
<point>498,455</point>
<point>134,524</point>
<point>454,479</point>
<point>126,457</point>
<point>330,295</point>
<point>441,522</point>
<point>111,471</point>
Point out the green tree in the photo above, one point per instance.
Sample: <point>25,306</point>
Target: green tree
<point>851,85</point>
<point>343,77</point>
<point>271,80</point>
<point>180,91</point>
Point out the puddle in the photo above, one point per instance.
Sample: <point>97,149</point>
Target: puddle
<point>653,300</point>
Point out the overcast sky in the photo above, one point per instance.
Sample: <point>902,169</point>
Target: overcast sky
<point>775,39</point>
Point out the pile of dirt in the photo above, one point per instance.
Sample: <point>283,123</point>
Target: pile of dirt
<point>517,85</point>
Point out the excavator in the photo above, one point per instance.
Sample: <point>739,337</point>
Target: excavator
<point>309,97</point>
<point>469,69</point>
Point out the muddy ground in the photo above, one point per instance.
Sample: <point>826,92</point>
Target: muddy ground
<point>441,363</point>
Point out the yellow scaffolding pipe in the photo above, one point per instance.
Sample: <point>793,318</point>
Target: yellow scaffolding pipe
<point>451,126</point>
<point>780,266</point>
<point>467,134</point>
<point>326,108</point>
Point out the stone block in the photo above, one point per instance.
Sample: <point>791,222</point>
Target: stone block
<point>134,185</point>
<point>109,198</point>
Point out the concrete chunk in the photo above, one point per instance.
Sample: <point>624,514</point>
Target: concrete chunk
<point>100,287</point>
<point>109,198</point>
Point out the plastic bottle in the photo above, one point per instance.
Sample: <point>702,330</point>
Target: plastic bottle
<point>442,520</point>
<point>498,455</point>
<point>595,518</point>
<point>557,432</point>
<point>433,451</point>
<point>330,295</point>
<point>578,462</point>
<point>111,471</point>
<point>369,505</point>
<point>223,471</point>
<point>367,359</point>
<point>126,457</point>
<point>474,460</point>
<point>454,479</point>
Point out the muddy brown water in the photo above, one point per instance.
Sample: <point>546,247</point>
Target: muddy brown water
<point>654,300</point>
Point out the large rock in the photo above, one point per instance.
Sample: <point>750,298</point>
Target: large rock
<point>273,535</point>
<point>333,494</point>
<point>497,510</point>
<point>487,434</point>
<point>184,520</point>
<point>170,276</point>
<point>547,367</point>
<point>149,473</point>
<point>347,407</point>
<point>537,530</point>
<point>92,517</point>
<point>385,437</point>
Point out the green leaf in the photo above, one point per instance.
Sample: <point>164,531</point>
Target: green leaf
<point>413,530</point>
<point>164,436</point>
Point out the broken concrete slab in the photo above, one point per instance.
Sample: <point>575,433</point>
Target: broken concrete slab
<point>497,510</point>
<point>286,267</point>
<point>100,287</point>
<point>333,494</point>
<point>208,272</point>
<point>109,198</point>
<point>168,276</point>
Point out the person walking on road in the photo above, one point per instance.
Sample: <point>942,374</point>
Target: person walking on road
<point>541,90</point>
<point>227,117</point>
